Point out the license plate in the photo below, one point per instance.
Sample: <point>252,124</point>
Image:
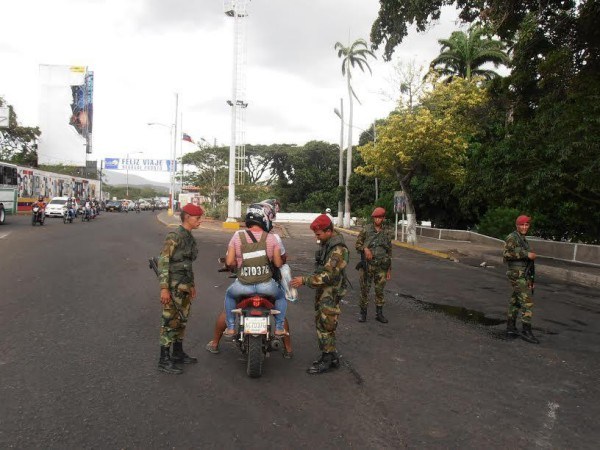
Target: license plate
<point>255,325</point>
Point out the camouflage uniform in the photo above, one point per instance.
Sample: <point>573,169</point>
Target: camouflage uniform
<point>515,254</point>
<point>175,274</point>
<point>380,244</point>
<point>329,280</point>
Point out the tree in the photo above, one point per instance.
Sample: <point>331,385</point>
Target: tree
<point>18,144</point>
<point>464,54</point>
<point>212,175</point>
<point>407,83</point>
<point>432,139</point>
<point>354,55</point>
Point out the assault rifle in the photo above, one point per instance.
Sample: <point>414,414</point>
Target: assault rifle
<point>530,274</point>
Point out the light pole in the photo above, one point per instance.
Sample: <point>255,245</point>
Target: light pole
<point>340,114</point>
<point>127,171</point>
<point>172,167</point>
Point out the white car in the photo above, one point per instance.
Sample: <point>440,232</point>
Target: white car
<point>57,206</point>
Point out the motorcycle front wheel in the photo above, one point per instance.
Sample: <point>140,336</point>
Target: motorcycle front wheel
<point>255,357</point>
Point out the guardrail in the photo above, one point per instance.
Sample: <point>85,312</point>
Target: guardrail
<point>566,251</point>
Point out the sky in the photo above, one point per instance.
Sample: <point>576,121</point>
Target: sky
<point>142,52</point>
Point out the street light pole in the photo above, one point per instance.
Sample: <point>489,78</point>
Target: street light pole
<point>340,114</point>
<point>127,171</point>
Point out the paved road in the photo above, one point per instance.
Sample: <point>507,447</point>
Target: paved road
<point>79,320</point>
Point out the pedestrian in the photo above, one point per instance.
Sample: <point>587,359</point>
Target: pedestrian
<point>520,259</point>
<point>328,214</point>
<point>177,289</point>
<point>374,244</point>
<point>329,280</point>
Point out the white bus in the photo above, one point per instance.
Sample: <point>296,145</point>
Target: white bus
<point>8,190</point>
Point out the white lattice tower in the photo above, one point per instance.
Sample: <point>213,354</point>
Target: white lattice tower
<point>237,10</point>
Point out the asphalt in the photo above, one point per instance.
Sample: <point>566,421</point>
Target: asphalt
<point>465,252</point>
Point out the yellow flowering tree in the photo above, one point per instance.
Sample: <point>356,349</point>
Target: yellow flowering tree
<point>431,138</point>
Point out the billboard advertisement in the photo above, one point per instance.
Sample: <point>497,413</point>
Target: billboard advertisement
<point>66,114</point>
<point>139,164</point>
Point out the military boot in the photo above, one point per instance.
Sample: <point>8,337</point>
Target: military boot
<point>326,362</point>
<point>511,328</point>
<point>181,357</point>
<point>379,315</point>
<point>362,317</point>
<point>527,334</point>
<point>165,364</point>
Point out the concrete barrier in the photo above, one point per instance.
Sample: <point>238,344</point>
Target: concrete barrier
<point>566,251</point>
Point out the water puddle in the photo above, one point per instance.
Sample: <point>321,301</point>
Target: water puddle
<point>457,312</point>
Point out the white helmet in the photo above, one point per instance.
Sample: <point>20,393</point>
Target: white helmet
<point>328,211</point>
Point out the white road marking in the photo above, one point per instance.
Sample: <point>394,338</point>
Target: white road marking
<point>2,236</point>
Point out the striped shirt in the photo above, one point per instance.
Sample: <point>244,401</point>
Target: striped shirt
<point>235,242</point>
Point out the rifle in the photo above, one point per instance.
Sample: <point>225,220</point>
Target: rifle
<point>153,264</point>
<point>530,274</point>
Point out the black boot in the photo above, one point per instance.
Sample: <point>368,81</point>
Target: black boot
<point>165,364</point>
<point>527,334</point>
<point>380,317</point>
<point>362,317</point>
<point>511,328</point>
<point>181,357</point>
<point>326,362</point>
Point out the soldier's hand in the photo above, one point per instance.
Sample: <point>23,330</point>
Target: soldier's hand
<point>388,275</point>
<point>368,254</point>
<point>192,292</point>
<point>296,282</point>
<point>165,296</point>
<point>531,256</point>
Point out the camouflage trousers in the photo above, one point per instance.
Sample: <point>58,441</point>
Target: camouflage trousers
<point>376,276</point>
<point>520,298</point>
<point>175,315</point>
<point>327,310</point>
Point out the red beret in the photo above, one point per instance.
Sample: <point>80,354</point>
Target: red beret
<point>193,210</point>
<point>320,223</point>
<point>378,212</point>
<point>523,219</point>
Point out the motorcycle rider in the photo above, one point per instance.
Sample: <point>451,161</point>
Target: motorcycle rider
<point>42,205</point>
<point>70,211</point>
<point>253,253</point>
<point>271,207</point>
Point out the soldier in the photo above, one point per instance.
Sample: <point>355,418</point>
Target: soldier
<point>329,279</point>
<point>519,257</point>
<point>374,244</point>
<point>177,289</point>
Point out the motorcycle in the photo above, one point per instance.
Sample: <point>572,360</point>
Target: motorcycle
<point>255,331</point>
<point>37,215</point>
<point>86,214</point>
<point>68,215</point>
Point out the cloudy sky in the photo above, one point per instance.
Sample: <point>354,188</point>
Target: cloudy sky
<point>144,51</point>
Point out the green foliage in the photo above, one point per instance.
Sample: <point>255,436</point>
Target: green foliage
<point>464,54</point>
<point>18,144</point>
<point>498,222</point>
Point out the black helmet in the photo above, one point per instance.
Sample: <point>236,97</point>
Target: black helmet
<point>40,198</point>
<point>255,215</point>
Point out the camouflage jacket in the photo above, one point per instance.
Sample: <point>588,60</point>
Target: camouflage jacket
<point>332,259</point>
<point>176,257</point>
<point>516,247</point>
<point>380,243</point>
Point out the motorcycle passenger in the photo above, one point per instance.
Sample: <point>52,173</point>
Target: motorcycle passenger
<point>253,252</point>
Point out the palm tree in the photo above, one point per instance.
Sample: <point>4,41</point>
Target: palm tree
<point>354,55</point>
<point>462,55</point>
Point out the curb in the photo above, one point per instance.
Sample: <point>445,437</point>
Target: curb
<point>415,248</point>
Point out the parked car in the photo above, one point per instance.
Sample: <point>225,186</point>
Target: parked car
<point>2,213</point>
<point>57,206</point>
<point>145,204</point>
<point>113,205</point>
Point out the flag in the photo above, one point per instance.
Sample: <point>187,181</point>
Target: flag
<point>187,138</point>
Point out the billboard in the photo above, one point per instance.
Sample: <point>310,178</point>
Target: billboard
<point>66,114</point>
<point>139,164</point>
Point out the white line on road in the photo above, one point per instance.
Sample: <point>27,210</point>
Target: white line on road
<point>2,236</point>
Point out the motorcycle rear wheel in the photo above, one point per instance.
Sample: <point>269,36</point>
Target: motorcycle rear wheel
<point>255,357</point>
